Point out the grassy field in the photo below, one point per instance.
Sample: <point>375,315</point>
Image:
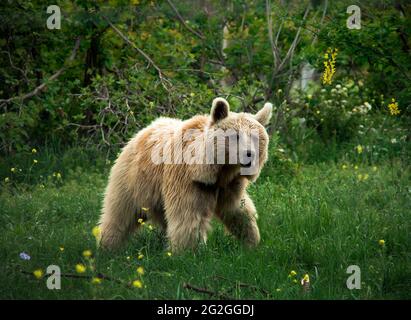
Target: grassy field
<point>317,220</point>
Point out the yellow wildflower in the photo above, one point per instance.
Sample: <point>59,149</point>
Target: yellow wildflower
<point>292,273</point>
<point>33,150</point>
<point>13,170</point>
<point>6,179</point>
<point>305,279</point>
<point>169,254</point>
<point>295,281</point>
<point>140,270</point>
<point>381,242</point>
<point>140,256</point>
<point>35,161</point>
<point>96,280</point>
<point>344,166</point>
<point>359,149</point>
<point>329,65</point>
<point>87,253</point>
<point>80,268</point>
<point>58,175</point>
<point>38,273</point>
<point>150,227</point>
<point>144,209</point>
<point>356,167</point>
<point>96,231</point>
<point>137,284</point>
<point>61,249</point>
<point>140,221</point>
<point>393,107</point>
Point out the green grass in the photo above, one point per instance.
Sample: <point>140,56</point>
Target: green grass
<point>318,220</point>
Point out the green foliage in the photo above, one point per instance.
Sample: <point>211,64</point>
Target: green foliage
<point>110,90</point>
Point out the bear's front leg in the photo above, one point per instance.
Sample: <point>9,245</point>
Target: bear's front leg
<point>237,212</point>
<point>188,213</point>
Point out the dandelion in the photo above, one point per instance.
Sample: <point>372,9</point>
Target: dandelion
<point>329,65</point>
<point>80,268</point>
<point>393,108</point>
<point>87,253</point>
<point>13,170</point>
<point>96,231</point>
<point>169,254</point>
<point>305,282</point>
<point>359,149</point>
<point>140,270</point>
<point>35,161</point>
<point>38,273</point>
<point>24,256</point>
<point>150,227</point>
<point>140,221</point>
<point>292,273</point>
<point>61,249</point>
<point>33,150</point>
<point>192,94</point>
<point>306,278</point>
<point>96,280</point>
<point>6,179</point>
<point>381,242</point>
<point>58,175</point>
<point>144,209</point>
<point>137,284</point>
<point>140,257</point>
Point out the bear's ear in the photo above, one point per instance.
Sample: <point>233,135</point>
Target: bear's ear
<point>264,115</point>
<point>219,109</point>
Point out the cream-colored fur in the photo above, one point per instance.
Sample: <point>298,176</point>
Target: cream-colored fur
<point>182,198</point>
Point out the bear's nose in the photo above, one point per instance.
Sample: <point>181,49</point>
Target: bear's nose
<point>249,153</point>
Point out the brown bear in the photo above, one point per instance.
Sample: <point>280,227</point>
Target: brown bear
<point>168,174</point>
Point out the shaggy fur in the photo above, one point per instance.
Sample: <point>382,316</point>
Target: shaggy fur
<point>182,198</point>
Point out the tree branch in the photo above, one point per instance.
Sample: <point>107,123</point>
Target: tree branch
<point>180,18</point>
<point>141,52</point>
<point>206,291</point>
<point>43,86</point>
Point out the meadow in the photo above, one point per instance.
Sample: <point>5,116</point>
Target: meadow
<point>315,219</point>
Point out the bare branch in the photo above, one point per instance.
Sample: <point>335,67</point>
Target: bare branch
<point>274,48</point>
<point>322,20</point>
<point>150,61</point>
<point>295,41</point>
<point>181,19</point>
<point>206,291</point>
<point>43,86</point>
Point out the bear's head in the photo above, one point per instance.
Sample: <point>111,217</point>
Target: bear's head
<point>241,138</point>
